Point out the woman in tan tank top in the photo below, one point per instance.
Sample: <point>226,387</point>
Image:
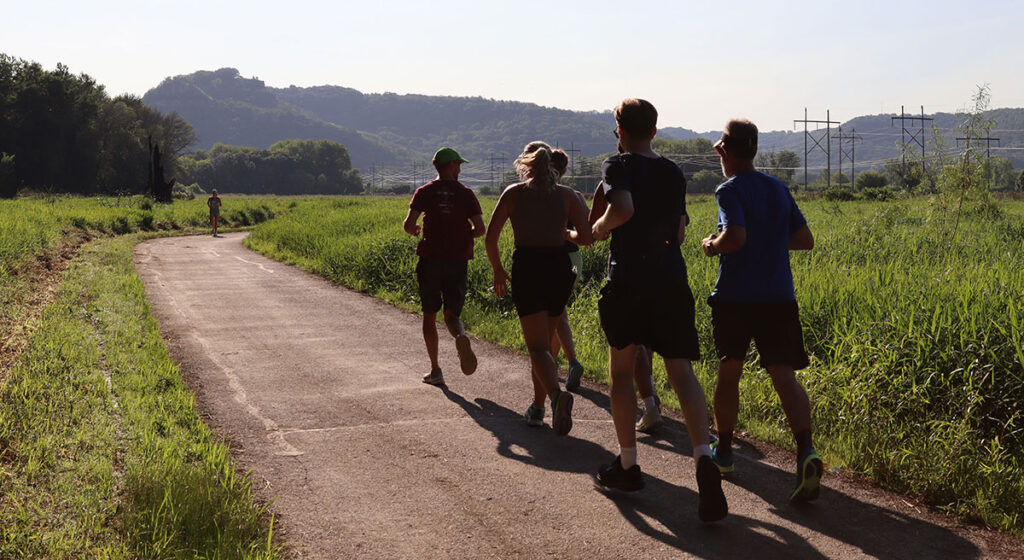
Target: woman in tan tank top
<point>542,275</point>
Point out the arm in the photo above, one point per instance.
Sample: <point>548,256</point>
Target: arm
<point>578,215</point>
<point>599,206</point>
<point>620,210</point>
<point>478,225</point>
<point>731,240</point>
<point>497,223</point>
<point>409,225</point>
<point>801,240</point>
<point>684,222</point>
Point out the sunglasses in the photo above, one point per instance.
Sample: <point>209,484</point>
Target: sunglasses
<point>615,131</point>
<point>720,151</point>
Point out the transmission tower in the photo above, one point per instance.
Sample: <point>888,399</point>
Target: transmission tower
<point>573,154</point>
<point>493,159</point>
<point>917,136</point>
<point>826,149</point>
<point>988,147</point>
<point>850,140</point>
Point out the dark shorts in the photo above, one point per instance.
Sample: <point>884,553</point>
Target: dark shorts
<point>442,281</point>
<point>775,328</point>
<point>542,280</point>
<point>215,213</point>
<point>661,317</point>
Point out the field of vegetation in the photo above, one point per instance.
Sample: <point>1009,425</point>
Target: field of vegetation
<point>912,318</point>
<point>102,454</point>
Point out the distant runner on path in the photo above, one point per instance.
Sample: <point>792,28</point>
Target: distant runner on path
<point>214,203</point>
<point>759,224</point>
<point>647,299</point>
<point>542,275</point>
<point>451,219</point>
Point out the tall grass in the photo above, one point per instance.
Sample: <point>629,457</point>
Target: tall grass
<point>917,372</point>
<point>102,454</point>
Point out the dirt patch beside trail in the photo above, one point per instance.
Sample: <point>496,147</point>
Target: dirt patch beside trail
<point>35,286</point>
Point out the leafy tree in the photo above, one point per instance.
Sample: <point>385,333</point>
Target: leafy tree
<point>8,176</point>
<point>781,165</point>
<point>1020,181</point>
<point>871,180</point>
<point>704,181</point>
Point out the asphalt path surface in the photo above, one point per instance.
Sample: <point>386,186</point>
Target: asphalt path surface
<point>317,390</point>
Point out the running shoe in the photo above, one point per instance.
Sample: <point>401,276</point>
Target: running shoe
<point>809,469</point>
<point>467,359</point>
<point>712,506</point>
<point>561,413</point>
<point>613,475</point>
<point>534,416</point>
<point>650,421</point>
<point>572,381</point>
<point>722,458</point>
<point>434,377</point>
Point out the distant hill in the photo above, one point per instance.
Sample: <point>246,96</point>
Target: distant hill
<point>397,130</point>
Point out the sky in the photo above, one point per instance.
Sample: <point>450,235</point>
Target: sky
<point>700,63</point>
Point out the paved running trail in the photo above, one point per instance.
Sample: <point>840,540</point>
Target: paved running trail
<point>317,389</point>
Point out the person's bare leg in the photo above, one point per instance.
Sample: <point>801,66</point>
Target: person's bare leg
<point>727,401</point>
<point>454,323</point>
<point>643,372</point>
<point>691,400</point>
<point>430,338</point>
<point>536,334</point>
<point>564,333</point>
<point>620,369</point>
<point>794,402</point>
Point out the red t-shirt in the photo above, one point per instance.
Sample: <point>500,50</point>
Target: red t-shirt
<point>447,207</point>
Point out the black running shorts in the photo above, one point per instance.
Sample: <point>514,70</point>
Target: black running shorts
<point>774,327</point>
<point>542,280</point>
<point>661,317</point>
<point>442,281</point>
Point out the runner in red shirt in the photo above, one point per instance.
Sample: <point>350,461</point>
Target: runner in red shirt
<point>451,219</point>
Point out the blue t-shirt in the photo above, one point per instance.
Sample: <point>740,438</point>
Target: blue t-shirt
<point>645,250</point>
<point>759,271</point>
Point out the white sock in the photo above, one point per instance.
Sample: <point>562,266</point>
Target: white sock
<point>649,402</point>
<point>628,456</point>
<point>701,450</point>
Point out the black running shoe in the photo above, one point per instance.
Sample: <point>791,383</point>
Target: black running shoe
<point>614,476</point>
<point>713,506</point>
<point>561,413</point>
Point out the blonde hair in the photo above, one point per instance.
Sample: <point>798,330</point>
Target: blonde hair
<point>535,164</point>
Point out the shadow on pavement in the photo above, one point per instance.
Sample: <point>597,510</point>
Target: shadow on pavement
<point>668,513</point>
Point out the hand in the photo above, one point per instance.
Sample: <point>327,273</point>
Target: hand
<point>705,244</point>
<point>415,230</point>
<point>598,231</point>
<point>500,283</point>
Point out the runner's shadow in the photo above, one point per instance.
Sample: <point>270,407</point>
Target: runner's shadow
<point>539,447</point>
<point>876,531</point>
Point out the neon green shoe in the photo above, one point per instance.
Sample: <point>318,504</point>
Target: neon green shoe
<point>809,469</point>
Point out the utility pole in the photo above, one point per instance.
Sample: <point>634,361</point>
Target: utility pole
<point>826,149</point>
<point>852,140</point>
<point>495,159</point>
<point>988,147</point>
<point>917,136</point>
<point>573,154</point>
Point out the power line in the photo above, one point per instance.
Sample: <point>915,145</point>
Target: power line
<point>903,118</point>
<point>827,149</point>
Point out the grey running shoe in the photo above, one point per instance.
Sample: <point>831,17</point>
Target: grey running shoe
<point>434,377</point>
<point>467,359</point>
<point>561,413</point>
<point>572,381</point>
<point>712,505</point>
<point>650,421</point>
<point>534,416</point>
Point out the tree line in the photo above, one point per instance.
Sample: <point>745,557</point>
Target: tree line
<point>61,132</point>
<point>287,167</point>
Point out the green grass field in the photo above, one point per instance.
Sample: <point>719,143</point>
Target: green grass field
<point>917,373</point>
<point>102,454</point>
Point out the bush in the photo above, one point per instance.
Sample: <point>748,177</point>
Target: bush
<point>182,192</point>
<point>871,180</point>
<point>839,195</point>
<point>8,176</point>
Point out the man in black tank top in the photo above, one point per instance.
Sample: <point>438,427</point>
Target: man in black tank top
<point>647,300</point>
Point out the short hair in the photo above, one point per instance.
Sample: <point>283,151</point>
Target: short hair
<point>740,138</point>
<point>559,160</point>
<point>637,117</point>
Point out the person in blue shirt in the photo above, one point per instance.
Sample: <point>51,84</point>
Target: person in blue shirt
<point>759,223</point>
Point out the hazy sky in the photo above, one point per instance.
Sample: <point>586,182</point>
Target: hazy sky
<point>700,63</point>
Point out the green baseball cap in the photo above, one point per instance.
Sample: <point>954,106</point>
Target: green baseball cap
<point>447,155</point>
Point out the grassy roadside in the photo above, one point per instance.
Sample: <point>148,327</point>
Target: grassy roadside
<point>917,356</point>
<point>102,453</point>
